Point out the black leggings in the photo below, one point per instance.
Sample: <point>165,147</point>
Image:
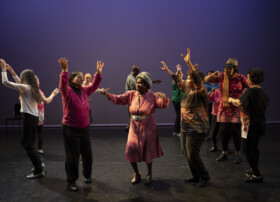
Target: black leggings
<point>30,124</point>
<point>40,136</point>
<point>228,130</point>
<point>177,124</point>
<point>214,130</point>
<point>76,142</point>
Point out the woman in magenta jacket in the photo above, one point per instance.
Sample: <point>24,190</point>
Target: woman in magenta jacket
<point>76,123</point>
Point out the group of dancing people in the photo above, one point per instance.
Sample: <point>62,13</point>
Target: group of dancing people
<point>143,140</point>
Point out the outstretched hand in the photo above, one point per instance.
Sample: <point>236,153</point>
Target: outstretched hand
<point>3,65</point>
<point>99,66</point>
<point>9,68</point>
<point>187,58</point>
<point>178,67</point>
<point>104,91</point>
<point>55,91</point>
<point>63,62</point>
<point>164,66</point>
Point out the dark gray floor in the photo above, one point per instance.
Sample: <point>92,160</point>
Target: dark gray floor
<point>111,172</point>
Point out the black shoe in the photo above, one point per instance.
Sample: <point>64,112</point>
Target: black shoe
<point>254,179</point>
<point>72,186</point>
<point>249,172</point>
<point>213,149</point>
<point>136,179</point>
<point>203,182</point>
<point>87,180</point>
<point>191,180</point>
<point>43,166</point>
<point>35,176</point>
<point>222,157</point>
<point>238,159</point>
<point>148,180</point>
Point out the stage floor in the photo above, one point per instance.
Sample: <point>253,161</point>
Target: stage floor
<point>112,173</point>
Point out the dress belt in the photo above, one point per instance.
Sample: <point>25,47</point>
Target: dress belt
<point>139,118</point>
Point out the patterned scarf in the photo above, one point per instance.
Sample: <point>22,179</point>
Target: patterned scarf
<point>226,86</point>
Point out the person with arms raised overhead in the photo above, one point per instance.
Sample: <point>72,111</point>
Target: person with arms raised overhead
<point>76,123</point>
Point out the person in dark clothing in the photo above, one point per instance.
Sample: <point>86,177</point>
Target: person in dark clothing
<point>194,120</point>
<point>177,96</point>
<point>254,103</point>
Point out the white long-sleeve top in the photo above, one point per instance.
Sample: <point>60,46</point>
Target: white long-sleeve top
<point>27,102</point>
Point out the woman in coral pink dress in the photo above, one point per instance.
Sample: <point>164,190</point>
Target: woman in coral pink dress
<point>143,141</point>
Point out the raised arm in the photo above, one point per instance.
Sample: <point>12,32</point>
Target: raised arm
<point>50,98</point>
<point>187,59</point>
<point>177,80</point>
<point>13,73</point>
<point>64,77</point>
<point>165,68</point>
<point>16,86</point>
<point>96,79</point>
<point>212,78</point>
<point>193,71</point>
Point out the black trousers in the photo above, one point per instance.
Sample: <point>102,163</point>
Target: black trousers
<point>228,130</point>
<point>40,136</point>
<point>30,124</point>
<point>250,145</point>
<point>190,145</point>
<point>214,130</point>
<point>209,107</point>
<point>177,123</point>
<point>76,142</point>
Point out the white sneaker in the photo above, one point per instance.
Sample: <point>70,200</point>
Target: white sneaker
<point>178,134</point>
<point>35,176</point>
<point>174,133</point>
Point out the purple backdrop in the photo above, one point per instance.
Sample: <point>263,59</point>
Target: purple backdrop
<point>34,34</point>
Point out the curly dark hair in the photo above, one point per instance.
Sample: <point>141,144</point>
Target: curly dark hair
<point>29,77</point>
<point>256,75</point>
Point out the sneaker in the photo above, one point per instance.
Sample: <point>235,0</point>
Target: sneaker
<point>178,134</point>
<point>43,166</point>
<point>222,157</point>
<point>254,179</point>
<point>72,186</point>
<point>175,134</point>
<point>249,172</point>
<point>35,176</point>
